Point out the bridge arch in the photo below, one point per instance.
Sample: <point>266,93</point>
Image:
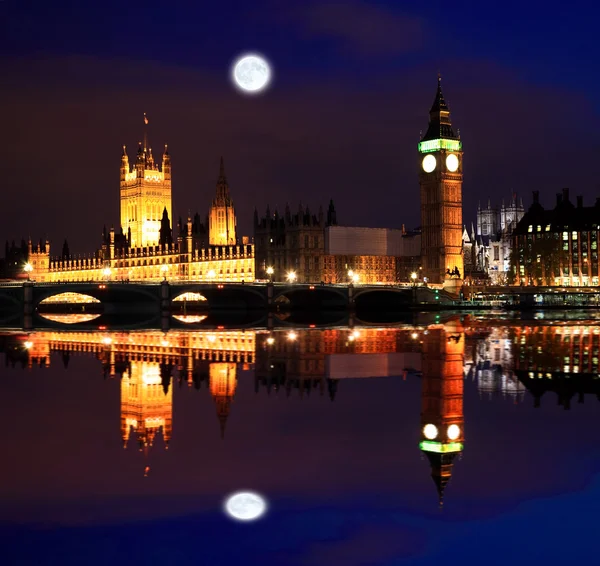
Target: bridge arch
<point>383,298</point>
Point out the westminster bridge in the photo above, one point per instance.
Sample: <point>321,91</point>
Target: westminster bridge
<point>186,297</point>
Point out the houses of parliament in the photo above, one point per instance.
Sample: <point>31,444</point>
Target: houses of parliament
<point>145,246</point>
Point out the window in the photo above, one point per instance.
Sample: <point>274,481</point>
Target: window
<point>565,236</point>
<point>529,229</point>
<point>496,254</point>
<point>306,241</point>
<point>573,235</point>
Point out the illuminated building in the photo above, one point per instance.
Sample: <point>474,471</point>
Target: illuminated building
<point>316,249</point>
<point>442,420</point>
<point>223,382</point>
<point>222,221</point>
<point>557,247</point>
<point>440,178</point>
<point>144,248</point>
<point>145,193</point>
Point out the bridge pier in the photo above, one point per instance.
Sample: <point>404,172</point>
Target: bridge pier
<point>27,305</point>
<point>269,295</point>
<point>351,303</point>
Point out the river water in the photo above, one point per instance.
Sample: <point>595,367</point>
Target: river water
<point>472,439</point>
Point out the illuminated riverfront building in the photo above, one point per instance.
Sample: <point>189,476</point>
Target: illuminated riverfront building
<point>442,419</point>
<point>557,247</point>
<point>145,248</point>
<point>440,178</point>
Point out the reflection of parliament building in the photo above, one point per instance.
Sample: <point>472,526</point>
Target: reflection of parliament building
<point>299,361</point>
<point>145,248</point>
<point>557,358</point>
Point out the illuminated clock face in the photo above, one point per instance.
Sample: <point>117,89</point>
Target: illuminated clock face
<point>429,163</point>
<point>452,162</point>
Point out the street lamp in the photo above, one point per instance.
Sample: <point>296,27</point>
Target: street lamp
<point>413,276</point>
<point>270,272</point>
<point>355,277</point>
<point>28,269</point>
<point>106,272</point>
<point>211,274</point>
<point>291,276</point>
<point>164,268</point>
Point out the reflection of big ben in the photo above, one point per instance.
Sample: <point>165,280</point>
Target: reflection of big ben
<point>442,421</point>
<point>145,405</point>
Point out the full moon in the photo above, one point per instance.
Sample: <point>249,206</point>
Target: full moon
<point>245,506</point>
<point>251,73</point>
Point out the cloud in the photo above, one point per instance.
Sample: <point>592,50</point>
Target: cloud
<point>361,27</point>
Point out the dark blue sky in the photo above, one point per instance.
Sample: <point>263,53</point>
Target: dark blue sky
<point>353,85</point>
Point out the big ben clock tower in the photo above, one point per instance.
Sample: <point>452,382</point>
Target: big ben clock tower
<point>440,178</point>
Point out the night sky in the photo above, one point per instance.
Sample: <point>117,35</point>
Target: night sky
<point>353,85</point>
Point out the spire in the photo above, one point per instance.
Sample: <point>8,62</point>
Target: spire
<point>440,125</point>
<point>145,132</point>
<point>223,198</point>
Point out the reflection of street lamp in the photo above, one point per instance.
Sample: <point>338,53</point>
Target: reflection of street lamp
<point>270,272</point>
<point>211,274</point>
<point>291,276</point>
<point>28,269</point>
<point>164,268</point>
<point>106,272</point>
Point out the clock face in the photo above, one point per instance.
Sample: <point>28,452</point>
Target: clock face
<point>452,162</point>
<point>429,163</point>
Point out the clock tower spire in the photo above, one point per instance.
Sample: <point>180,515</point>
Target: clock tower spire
<point>440,179</point>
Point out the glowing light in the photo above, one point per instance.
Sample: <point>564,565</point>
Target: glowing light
<point>28,268</point>
<point>414,335</point>
<point>211,338</point>
<point>430,431</point>
<point>69,318</point>
<point>211,274</point>
<point>429,163</point>
<point>189,318</point>
<point>245,506</point>
<point>106,272</point>
<point>76,298</point>
<point>356,334</point>
<point>292,336</point>
<point>428,446</point>
<point>452,163</point>
<point>355,278</point>
<point>189,296</point>
<point>251,73</point>
<point>107,340</point>
<point>291,276</point>
<point>270,271</point>
<point>413,275</point>
<point>436,145</point>
<point>270,340</point>
<point>28,345</point>
<point>453,432</point>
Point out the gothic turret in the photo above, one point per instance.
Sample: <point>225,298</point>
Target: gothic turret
<point>222,221</point>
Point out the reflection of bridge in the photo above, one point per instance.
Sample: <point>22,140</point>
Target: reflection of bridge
<point>129,298</point>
